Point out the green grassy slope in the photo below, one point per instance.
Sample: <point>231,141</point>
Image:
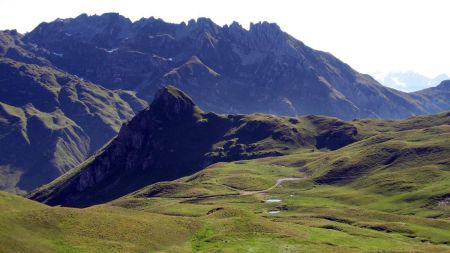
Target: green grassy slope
<point>28,226</point>
<point>388,192</point>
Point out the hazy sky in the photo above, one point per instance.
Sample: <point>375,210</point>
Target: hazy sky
<point>371,36</point>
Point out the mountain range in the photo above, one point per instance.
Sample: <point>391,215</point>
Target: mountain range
<point>226,69</point>
<point>67,86</point>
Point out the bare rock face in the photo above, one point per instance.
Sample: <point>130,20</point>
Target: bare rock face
<point>173,104</point>
<point>173,138</point>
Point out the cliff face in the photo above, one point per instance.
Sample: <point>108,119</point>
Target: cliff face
<point>225,69</point>
<point>174,138</point>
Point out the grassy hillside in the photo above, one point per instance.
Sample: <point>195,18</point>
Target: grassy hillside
<point>388,192</point>
<point>28,226</point>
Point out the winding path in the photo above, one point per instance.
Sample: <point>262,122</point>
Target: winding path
<point>240,192</point>
<point>279,182</point>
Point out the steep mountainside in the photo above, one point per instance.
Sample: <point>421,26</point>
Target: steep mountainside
<point>174,138</point>
<point>437,98</point>
<point>225,69</point>
<point>50,120</point>
<point>36,146</point>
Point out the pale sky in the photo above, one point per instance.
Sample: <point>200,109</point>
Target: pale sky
<point>371,36</point>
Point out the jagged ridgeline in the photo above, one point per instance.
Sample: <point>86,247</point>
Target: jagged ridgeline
<point>226,69</point>
<point>175,138</point>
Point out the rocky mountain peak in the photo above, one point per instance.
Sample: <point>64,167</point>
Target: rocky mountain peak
<point>267,36</point>
<point>265,27</point>
<point>105,18</point>
<point>202,23</point>
<point>444,85</point>
<point>104,30</point>
<point>173,103</point>
<point>236,30</point>
<point>235,25</point>
<point>266,31</point>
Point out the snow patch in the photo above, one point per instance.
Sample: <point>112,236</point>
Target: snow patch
<point>112,50</point>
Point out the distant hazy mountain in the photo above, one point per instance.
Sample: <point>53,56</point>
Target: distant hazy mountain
<point>408,81</point>
<point>226,69</point>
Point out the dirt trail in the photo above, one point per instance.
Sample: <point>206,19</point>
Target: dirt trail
<point>240,192</point>
<point>279,182</point>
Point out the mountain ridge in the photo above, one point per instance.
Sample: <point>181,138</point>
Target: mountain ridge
<point>275,72</point>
